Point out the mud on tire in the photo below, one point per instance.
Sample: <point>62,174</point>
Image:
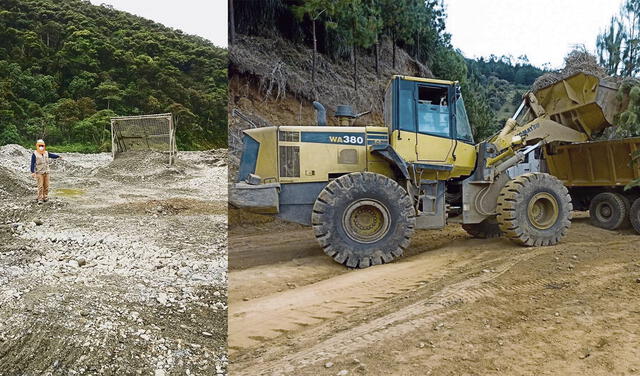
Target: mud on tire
<point>534,210</point>
<point>363,219</point>
<point>486,229</point>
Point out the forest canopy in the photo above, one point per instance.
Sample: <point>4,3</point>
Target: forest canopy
<point>67,67</point>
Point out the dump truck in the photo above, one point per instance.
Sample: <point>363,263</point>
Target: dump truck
<point>364,190</point>
<point>598,175</point>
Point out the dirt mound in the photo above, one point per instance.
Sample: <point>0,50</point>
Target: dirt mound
<point>135,160</point>
<point>577,61</point>
<point>15,157</point>
<point>13,184</point>
<point>139,165</point>
<point>213,157</point>
<point>14,150</point>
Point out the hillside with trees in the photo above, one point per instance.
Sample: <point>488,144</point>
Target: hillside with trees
<point>371,33</point>
<point>67,67</point>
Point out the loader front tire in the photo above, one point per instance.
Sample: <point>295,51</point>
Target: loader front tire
<point>363,219</point>
<point>534,209</point>
<point>634,215</point>
<point>609,210</point>
<point>486,229</point>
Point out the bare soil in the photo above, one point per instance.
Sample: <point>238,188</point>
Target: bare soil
<point>453,306</point>
<point>123,271</point>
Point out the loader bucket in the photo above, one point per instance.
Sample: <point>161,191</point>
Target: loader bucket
<point>582,102</point>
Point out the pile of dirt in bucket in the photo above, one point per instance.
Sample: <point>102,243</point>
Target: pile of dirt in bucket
<point>578,61</point>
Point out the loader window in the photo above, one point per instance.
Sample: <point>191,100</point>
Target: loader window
<point>433,111</point>
<point>463,128</point>
<point>406,108</point>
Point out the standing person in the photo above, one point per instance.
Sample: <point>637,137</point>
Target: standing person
<point>40,169</point>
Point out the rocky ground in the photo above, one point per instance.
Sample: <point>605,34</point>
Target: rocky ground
<point>452,306</point>
<point>123,271</point>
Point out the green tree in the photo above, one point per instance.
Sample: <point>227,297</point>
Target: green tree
<point>358,24</point>
<point>631,53</point>
<point>618,47</point>
<point>67,114</point>
<point>82,85</point>
<point>609,46</point>
<point>314,9</point>
<point>9,135</point>
<point>395,18</point>
<point>109,91</point>
<point>629,120</point>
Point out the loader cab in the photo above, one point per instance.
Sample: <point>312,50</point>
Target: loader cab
<point>428,121</point>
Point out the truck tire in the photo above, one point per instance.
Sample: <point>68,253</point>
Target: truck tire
<point>486,229</point>
<point>609,210</point>
<point>363,219</point>
<point>634,215</point>
<point>534,209</point>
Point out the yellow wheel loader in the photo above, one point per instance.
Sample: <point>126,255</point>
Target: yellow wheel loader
<point>365,189</point>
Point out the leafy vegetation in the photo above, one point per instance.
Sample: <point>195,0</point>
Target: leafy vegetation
<point>499,83</point>
<point>618,49</point>
<point>628,121</point>
<point>67,67</point>
<point>618,46</point>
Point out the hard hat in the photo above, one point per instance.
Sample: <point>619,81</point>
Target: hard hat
<point>40,142</point>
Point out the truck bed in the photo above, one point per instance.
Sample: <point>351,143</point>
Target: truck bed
<point>595,164</point>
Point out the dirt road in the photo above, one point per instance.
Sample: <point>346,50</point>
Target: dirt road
<point>453,306</point>
<point>123,271</point>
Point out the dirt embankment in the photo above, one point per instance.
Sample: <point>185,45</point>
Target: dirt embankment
<point>123,271</point>
<point>270,84</point>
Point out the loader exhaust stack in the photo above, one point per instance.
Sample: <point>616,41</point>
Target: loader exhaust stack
<point>321,113</point>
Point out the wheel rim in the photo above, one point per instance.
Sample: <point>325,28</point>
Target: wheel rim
<point>543,210</point>
<point>366,221</point>
<point>604,212</point>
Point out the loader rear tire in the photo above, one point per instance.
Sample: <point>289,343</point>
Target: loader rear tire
<point>634,215</point>
<point>486,229</point>
<point>363,219</point>
<point>609,210</point>
<point>534,209</point>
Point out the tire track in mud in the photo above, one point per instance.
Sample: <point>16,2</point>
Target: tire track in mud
<point>246,251</point>
<point>262,319</point>
<point>396,324</point>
